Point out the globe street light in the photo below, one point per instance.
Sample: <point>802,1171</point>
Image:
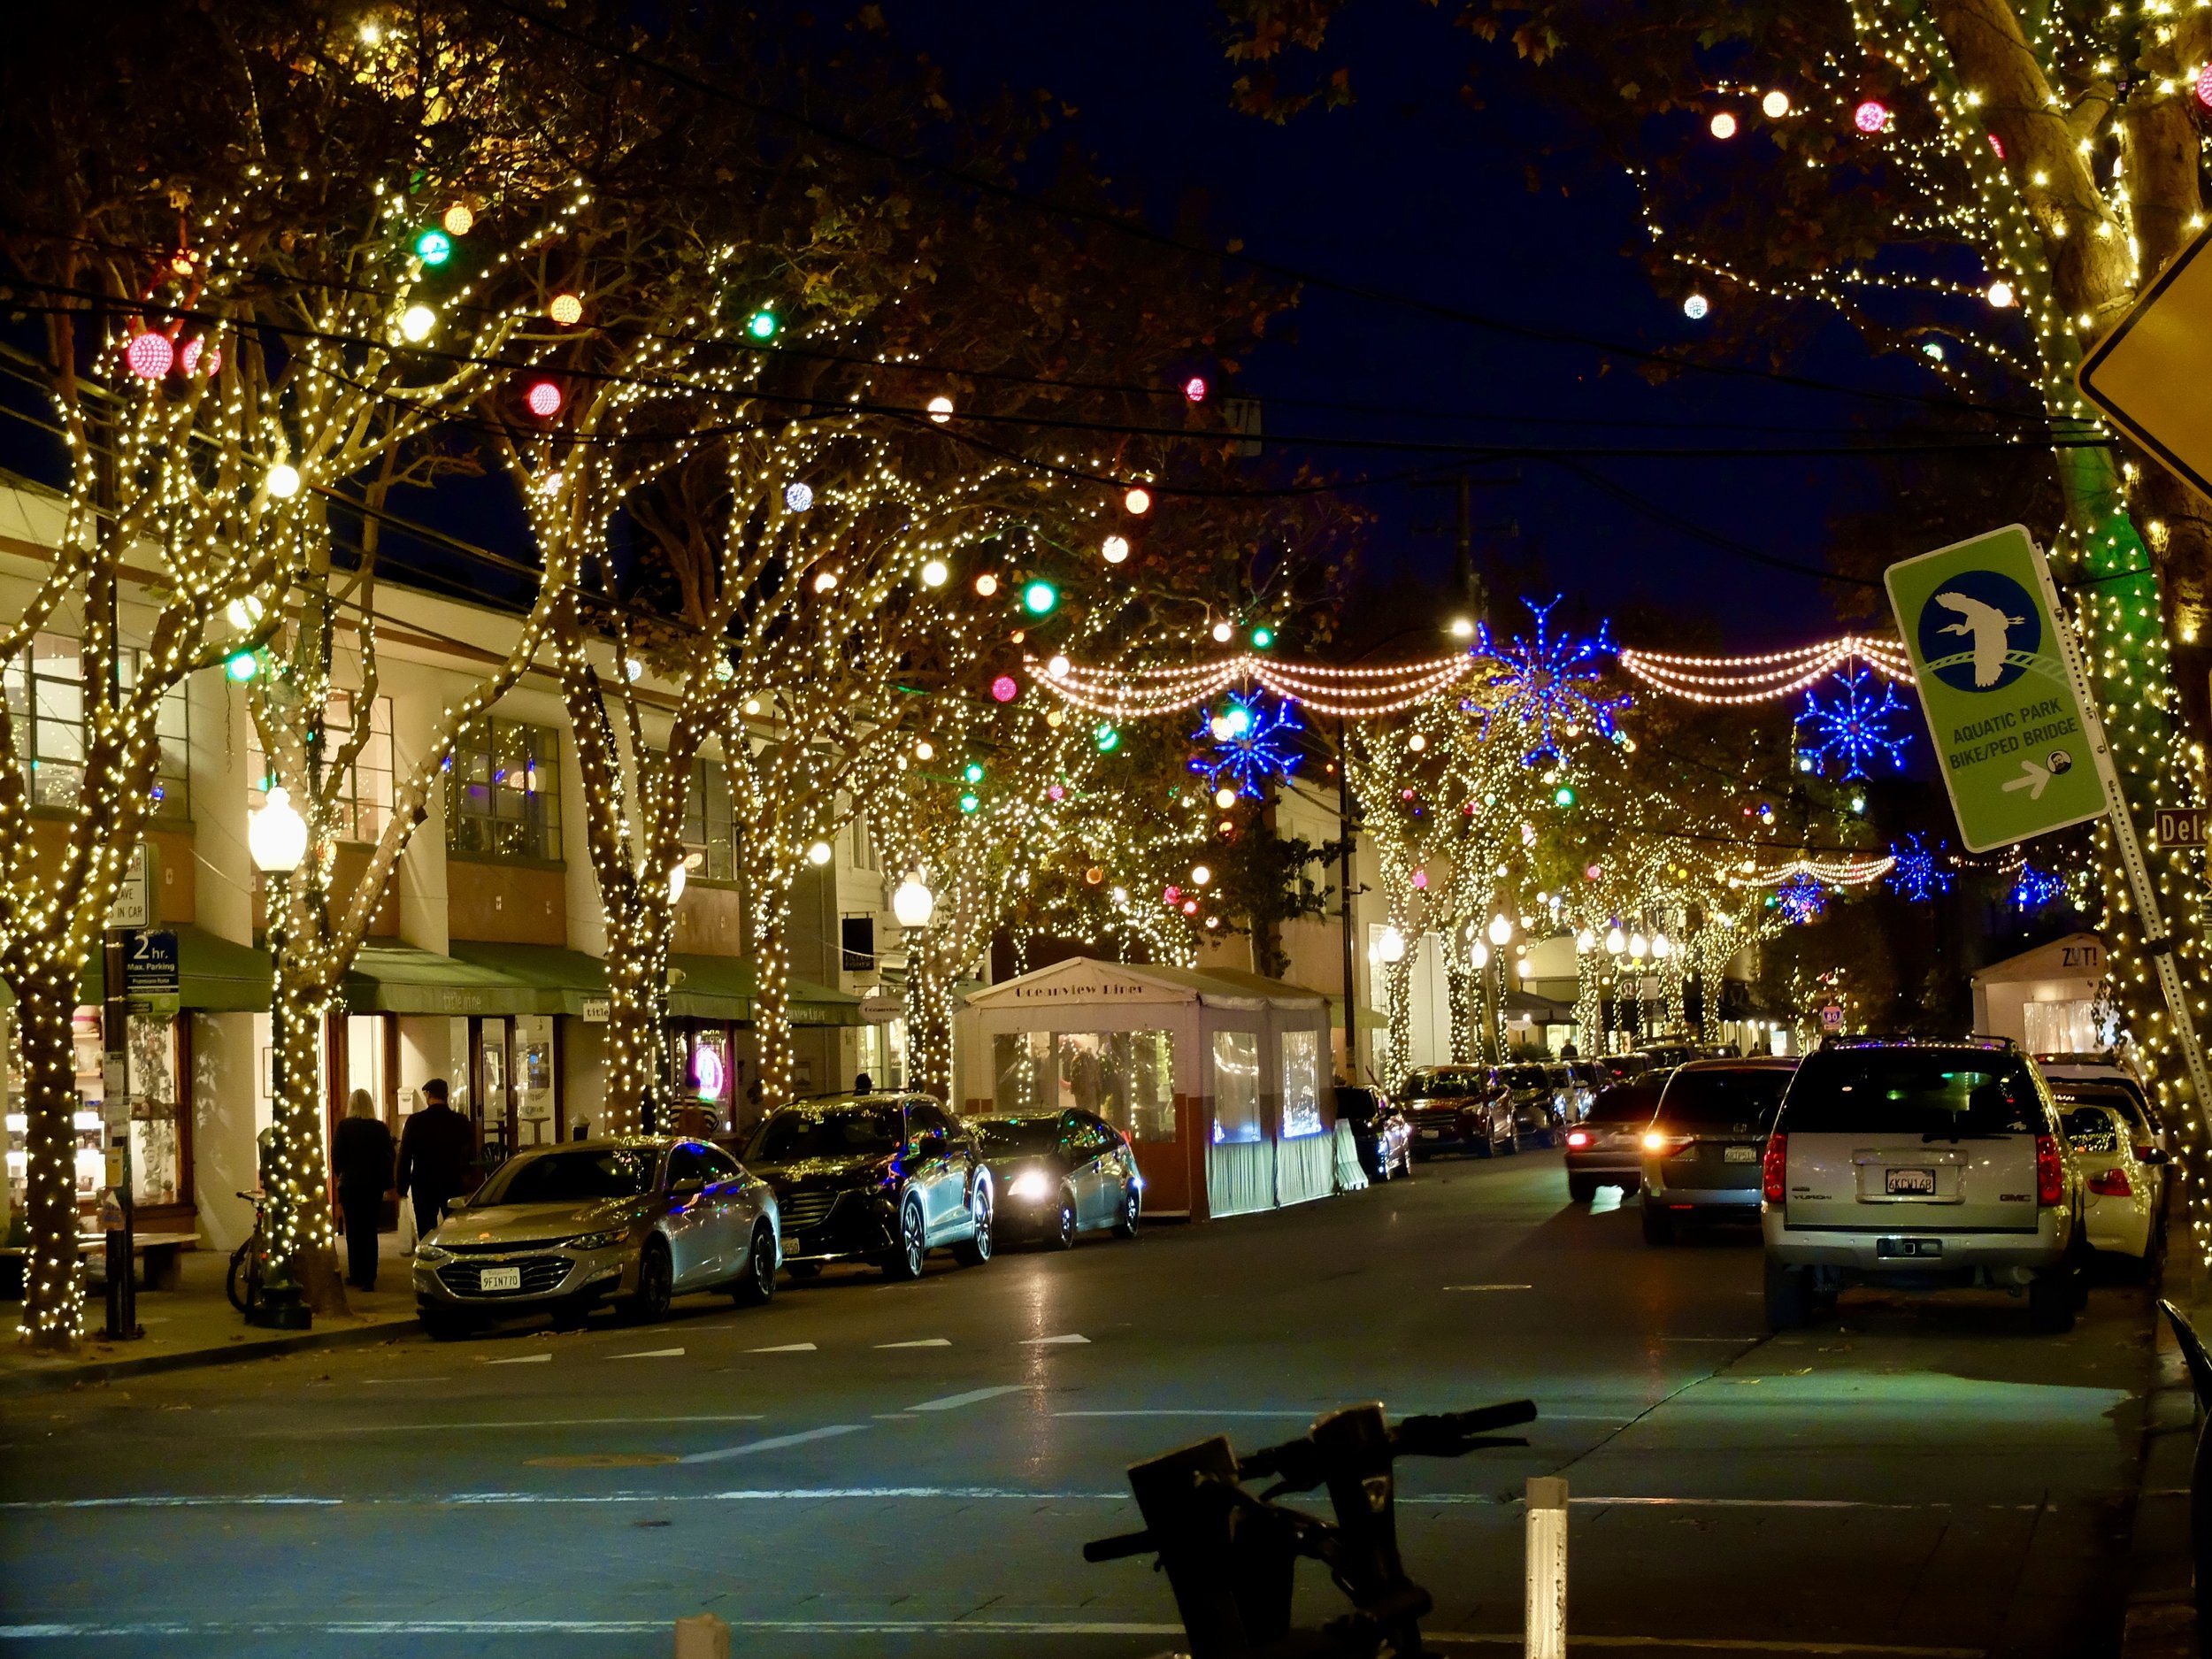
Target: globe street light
<point>1586,942</point>
<point>913,904</point>
<point>1616,941</point>
<point>1390,949</point>
<point>1501,930</point>
<point>276,838</point>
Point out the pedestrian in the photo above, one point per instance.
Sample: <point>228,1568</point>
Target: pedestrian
<point>361,1158</point>
<point>864,1084</point>
<point>437,1151</point>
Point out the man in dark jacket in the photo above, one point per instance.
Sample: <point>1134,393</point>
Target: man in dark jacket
<point>361,1158</point>
<point>437,1155</point>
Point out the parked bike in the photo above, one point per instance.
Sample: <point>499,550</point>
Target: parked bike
<point>1230,1555</point>
<point>249,1263</point>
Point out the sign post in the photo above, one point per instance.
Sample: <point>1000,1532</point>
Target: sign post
<point>2015,722</point>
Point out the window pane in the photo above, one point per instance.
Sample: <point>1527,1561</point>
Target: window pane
<point>1301,1084</point>
<point>1236,1064</point>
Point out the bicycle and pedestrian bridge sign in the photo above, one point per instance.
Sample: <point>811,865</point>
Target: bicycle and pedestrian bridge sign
<point>2001,687</point>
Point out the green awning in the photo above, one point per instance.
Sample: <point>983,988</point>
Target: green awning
<point>710,988</point>
<point>401,979</point>
<point>813,1004</point>
<point>565,980</point>
<point>213,975</point>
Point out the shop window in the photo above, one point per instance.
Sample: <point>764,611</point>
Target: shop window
<point>361,792</point>
<point>1125,1077</point>
<point>1149,1087</point>
<point>45,689</point>
<point>1236,1058</point>
<point>1018,1068</point>
<point>710,821</point>
<point>1302,1083</point>
<point>865,854</point>
<point>534,1116</point>
<point>857,937</point>
<point>503,791</point>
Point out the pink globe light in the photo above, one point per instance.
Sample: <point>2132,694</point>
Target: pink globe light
<point>1005,689</point>
<point>189,358</point>
<point>1056,793</point>
<point>150,356</point>
<point>2204,86</point>
<point>543,399</point>
<point>1871,116</point>
<point>1421,879</point>
<point>1194,388</point>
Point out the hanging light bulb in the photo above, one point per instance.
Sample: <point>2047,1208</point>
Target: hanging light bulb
<point>1776,105</point>
<point>1723,126</point>
<point>565,309</point>
<point>819,853</point>
<point>936,573</point>
<point>416,322</point>
<point>1137,501</point>
<point>282,480</point>
<point>940,409</point>
<point>1222,632</point>
<point>1115,548</point>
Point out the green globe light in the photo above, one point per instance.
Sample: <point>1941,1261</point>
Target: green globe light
<point>1262,638</point>
<point>1107,738</point>
<point>971,802</point>
<point>433,247</point>
<point>243,665</point>
<point>1563,796</point>
<point>763,325</point>
<point>1039,597</point>
<point>974,772</point>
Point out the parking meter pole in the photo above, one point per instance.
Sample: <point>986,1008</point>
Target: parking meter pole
<point>122,1297</point>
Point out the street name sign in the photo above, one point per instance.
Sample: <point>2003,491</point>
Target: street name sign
<point>2183,827</point>
<point>2149,375</point>
<point>2004,701</point>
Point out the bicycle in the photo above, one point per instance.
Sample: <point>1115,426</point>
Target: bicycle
<point>1230,1556</point>
<point>249,1263</point>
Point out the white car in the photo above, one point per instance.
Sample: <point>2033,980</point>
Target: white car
<point>2124,1185</point>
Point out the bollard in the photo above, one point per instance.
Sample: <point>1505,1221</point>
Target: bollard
<point>701,1636</point>
<point>1547,1636</point>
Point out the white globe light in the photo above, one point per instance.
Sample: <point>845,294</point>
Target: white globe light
<point>1776,105</point>
<point>940,409</point>
<point>1220,726</point>
<point>283,480</point>
<point>1585,940</point>
<point>1661,946</point>
<point>1528,967</point>
<point>1479,956</point>
<point>1199,875</point>
<point>913,904</point>
<point>1723,125</point>
<point>2001,294</point>
<point>1059,668</point>
<point>1391,947</point>
<point>679,874</point>
<point>1115,548</point>
<point>1501,931</point>
<point>1636,946</point>
<point>819,853</point>
<point>276,834</point>
<point>936,573</point>
<point>799,497</point>
<point>1616,941</point>
<point>1462,628</point>
<point>1221,631</point>
<point>416,322</point>
<point>1695,307</point>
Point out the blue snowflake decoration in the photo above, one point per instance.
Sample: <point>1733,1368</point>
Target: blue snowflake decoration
<point>1549,683</point>
<point>2034,888</point>
<point>1918,873</point>
<point>1852,728</point>
<point>1247,741</point>
<point>1802,899</point>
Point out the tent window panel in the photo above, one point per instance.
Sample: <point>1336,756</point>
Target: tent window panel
<point>1301,1084</point>
<point>1236,1058</point>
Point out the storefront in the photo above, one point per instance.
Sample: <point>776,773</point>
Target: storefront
<point>2046,999</point>
<point>1218,1077</point>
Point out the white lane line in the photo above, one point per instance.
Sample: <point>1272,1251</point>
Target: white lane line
<point>926,1341</point>
<point>953,1403</point>
<point>1053,1341</point>
<point>805,1348</point>
<point>651,1353</point>
<point>776,1442</point>
<point>523,1359</point>
<point>504,1422</point>
<point>372,1382</point>
<point>1490,1288</point>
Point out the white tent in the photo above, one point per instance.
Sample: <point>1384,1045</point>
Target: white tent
<point>1220,1077</point>
<point>2045,999</point>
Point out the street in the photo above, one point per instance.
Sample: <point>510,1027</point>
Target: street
<point>865,1468</point>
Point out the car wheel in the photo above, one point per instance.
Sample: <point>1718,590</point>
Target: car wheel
<point>912,1247</point>
<point>1658,1224</point>
<point>1788,1296</point>
<point>656,1283</point>
<point>756,1285</point>
<point>2053,1300</point>
<point>1582,1188</point>
<point>1125,1219</point>
<point>1062,1234</point>
<point>442,1324</point>
<point>975,1249</point>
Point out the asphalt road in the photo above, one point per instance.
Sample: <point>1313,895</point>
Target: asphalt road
<point>869,1469</point>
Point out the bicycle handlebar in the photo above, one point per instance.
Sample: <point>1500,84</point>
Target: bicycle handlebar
<point>1120,1546</point>
<point>1443,1434</point>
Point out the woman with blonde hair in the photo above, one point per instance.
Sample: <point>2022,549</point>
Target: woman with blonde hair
<point>361,1158</point>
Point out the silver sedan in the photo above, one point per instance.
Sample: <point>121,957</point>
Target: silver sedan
<point>562,1228</point>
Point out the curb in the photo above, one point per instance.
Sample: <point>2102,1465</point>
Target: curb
<point>68,1375</point>
<point>2161,1603</point>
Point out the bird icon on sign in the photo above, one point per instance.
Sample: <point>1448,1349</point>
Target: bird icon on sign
<point>1987,625</point>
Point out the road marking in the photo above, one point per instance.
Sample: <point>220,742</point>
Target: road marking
<point>803,1348</point>
<point>500,1423</point>
<point>776,1442</point>
<point>1052,1341</point>
<point>603,1460</point>
<point>926,1341</point>
<point>1490,1288</point>
<point>523,1359</point>
<point>372,1382</point>
<point>651,1353</point>
<point>953,1403</point>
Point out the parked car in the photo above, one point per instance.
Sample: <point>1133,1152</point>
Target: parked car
<point>1058,1174</point>
<point>2124,1186</point>
<point>561,1228</point>
<point>2145,1134</point>
<point>1920,1165</point>
<point>1379,1130</point>
<point>1569,1098</point>
<point>2106,1082</point>
<point>1701,1150</point>
<point>1537,1116</point>
<point>1606,1147</point>
<point>883,1178</point>
<point>1458,1108</point>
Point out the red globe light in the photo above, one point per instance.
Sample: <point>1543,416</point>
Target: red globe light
<point>150,356</point>
<point>1004,689</point>
<point>1194,388</point>
<point>1871,116</point>
<point>543,399</point>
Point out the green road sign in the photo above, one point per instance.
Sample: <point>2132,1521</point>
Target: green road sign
<point>1996,676</point>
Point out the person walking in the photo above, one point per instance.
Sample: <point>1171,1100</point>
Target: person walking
<point>437,1149</point>
<point>361,1158</point>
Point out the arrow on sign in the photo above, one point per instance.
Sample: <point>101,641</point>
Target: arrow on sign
<point>2032,778</point>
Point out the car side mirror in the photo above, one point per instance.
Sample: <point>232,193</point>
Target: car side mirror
<point>2156,1154</point>
<point>686,1189</point>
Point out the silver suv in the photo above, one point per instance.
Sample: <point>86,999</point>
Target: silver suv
<point>1918,1166</point>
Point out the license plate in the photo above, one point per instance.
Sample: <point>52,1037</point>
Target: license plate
<point>1432,1134</point>
<point>501,1278</point>
<point>1908,1181</point>
<point>1741,1155</point>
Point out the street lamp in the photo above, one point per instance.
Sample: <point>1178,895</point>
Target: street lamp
<point>1636,947</point>
<point>1390,949</point>
<point>1616,941</point>
<point>1479,956</point>
<point>1586,942</point>
<point>276,838</point>
<point>912,907</point>
<point>1501,931</point>
<point>1660,948</point>
<point>913,904</point>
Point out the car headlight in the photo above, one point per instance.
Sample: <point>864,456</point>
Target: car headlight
<point>599,1241</point>
<point>1030,1186</point>
<point>427,1252</point>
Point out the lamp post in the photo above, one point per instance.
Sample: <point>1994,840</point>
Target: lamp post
<point>913,906</point>
<point>276,836</point>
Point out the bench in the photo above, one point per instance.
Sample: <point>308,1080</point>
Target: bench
<point>159,1251</point>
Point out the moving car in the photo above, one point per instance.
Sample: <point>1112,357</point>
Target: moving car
<point>1058,1174</point>
<point>1379,1130</point>
<point>1537,1114</point>
<point>2124,1185</point>
<point>1572,1089</point>
<point>1458,1108</point>
<point>1701,1150</point>
<point>881,1178</point>
<point>1920,1165</point>
<point>562,1228</point>
<point>1606,1147</point>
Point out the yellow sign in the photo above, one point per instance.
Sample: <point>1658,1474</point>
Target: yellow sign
<point>2152,375</point>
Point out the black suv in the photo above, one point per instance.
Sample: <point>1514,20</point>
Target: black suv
<point>884,1179</point>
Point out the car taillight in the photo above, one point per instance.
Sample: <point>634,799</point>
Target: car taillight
<point>1774,1167</point>
<point>2142,1155</point>
<point>2112,1184</point>
<point>1577,1137</point>
<point>2050,1171</point>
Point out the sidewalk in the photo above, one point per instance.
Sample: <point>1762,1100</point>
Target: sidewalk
<point>196,1325</point>
<point>2161,1611</point>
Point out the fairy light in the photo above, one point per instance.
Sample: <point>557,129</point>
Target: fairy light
<point>1771,677</point>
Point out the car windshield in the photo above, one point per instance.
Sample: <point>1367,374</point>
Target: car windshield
<point>574,1175</point>
<point>1445,1085</point>
<point>2092,1129</point>
<point>1912,1091</point>
<point>2072,1092</point>
<point>1007,1136</point>
<point>1724,1095</point>
<point>1355,1103</point>
<point>850,1132</point>
<point>1526,1077</point>
<point>1625,1103</point>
